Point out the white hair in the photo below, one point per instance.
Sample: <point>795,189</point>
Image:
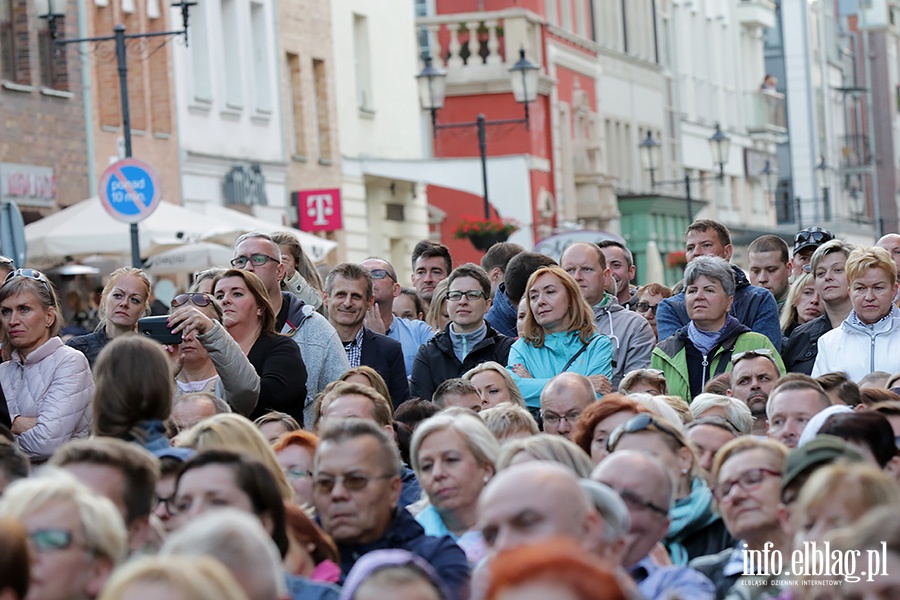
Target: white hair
<point>736,411</point>
<point>237,540</point>
<point>658,407</point>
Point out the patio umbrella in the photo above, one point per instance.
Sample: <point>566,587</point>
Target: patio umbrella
<point>189,258</point>
<point>656,272</point>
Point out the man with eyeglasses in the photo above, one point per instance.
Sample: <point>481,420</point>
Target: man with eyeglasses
<point>828,268</point>
<point>806,242</point>
<point>746,484</point>
<point>349,294</point>
<point>356,488</point>
<point>631,334</point>
<point>753,377</point>
<point>323,354</point>
<point>563,400</point>
<point>753,306</point>
<point>468,340</point>
<point>648,489</point>
<point>411,334</point>
<point>76,537</point>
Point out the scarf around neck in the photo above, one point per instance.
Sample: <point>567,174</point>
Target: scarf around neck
<point>704,341</point>
<point>688,515</point>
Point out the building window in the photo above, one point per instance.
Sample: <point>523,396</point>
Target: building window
<point>231,54</point>
<point>262,93</point>
<point>7,41</point>
<point>201,79</point>
<point>15,56</point>
<point>293,65</point>
<point>160,90</point>
<point>363,66</point>
<point>322,114</point>
<point>54,73</point>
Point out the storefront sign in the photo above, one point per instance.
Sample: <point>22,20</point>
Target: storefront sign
<point>27,185</point>
<point>320,210</point>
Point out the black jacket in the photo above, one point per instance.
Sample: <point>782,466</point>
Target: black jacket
<point>386,356</point>
<point>90,344</point>
<point>436,361</point>
<point>282,376</point>
<point>803,346</point>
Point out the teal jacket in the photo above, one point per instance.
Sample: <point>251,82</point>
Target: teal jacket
<point>548,361</point>
<point>671,357</point>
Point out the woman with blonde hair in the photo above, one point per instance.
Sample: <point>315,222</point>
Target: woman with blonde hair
<point>559,336</point>
<point>494,384</point>
<point>546,447</point>
<point>124,300</point>
<point>508,421</point>
<point>235,433</point>
<point>368,376</point>
<point>174,578</point>
<point>438,316</point>
<point>802,304</point>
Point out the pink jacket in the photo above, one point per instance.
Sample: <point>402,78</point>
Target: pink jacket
<point>54,384</point>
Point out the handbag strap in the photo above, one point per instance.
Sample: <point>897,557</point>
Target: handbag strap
<point>574,358</point>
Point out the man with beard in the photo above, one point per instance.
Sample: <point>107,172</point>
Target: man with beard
<point>753,377</point>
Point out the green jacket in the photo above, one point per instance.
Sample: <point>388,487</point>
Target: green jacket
<point>670,357</point>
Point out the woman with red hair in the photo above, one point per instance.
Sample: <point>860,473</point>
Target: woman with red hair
<point>598,421</point>
<point>557,569</point>
<point>294,451</point>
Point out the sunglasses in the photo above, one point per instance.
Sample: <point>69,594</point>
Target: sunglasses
<point>636,424</point>
<point>381,274</point>
<point>5,260</point>
<point>257,260</point>
<point>351,483</point>
<point>758,353</point>
<point>645,306</point>
<point>715,421</point>
<point>51,539</point>
<point>471,295</point>
<point>197,299</point>
<point>816,237</point>
<point>29,274</point>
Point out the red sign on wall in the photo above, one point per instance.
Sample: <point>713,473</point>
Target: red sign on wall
<point>320,210</point>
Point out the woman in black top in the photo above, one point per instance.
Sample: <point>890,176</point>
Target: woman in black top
<point>249,318</point>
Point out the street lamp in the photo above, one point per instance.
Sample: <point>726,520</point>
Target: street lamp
<point>824,171</point>
<point>720,147</point>
<point>46,11</point>
<point>770,176</point>
<point>432,82</point>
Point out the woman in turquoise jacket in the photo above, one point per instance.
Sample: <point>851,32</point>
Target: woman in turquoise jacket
<point>559,336</point>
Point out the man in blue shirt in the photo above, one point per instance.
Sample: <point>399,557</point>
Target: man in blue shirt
<point>380,316</point>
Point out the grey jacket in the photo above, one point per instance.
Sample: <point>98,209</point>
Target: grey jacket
<point>631,336</point>
<point>238,383</point>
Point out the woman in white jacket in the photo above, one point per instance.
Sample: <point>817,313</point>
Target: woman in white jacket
<point>869,338</point>
<point>48,386</point>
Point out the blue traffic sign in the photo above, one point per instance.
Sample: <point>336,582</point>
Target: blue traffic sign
<point>129,190</point>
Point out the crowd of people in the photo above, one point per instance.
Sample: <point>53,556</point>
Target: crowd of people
<point>520,429</point>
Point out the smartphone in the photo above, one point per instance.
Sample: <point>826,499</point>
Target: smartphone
<point>156,328</point>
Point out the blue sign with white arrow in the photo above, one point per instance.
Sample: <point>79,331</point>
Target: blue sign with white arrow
<point>129,190</point>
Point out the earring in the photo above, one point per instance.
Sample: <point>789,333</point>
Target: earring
<point>684,471</point>
<point>486,479</point>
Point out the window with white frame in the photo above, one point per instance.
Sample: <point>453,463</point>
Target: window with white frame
<point>362,61</point>
<point>231,55</point>
<point>262,94</point>
<point>201,69</point>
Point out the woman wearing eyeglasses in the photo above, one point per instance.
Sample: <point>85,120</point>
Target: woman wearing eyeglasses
<point>559,336</point>
<point>695,528</point>
<point>704,348</point>
<point>125,299</point>
<point>249,318</point>
<point>649,296</point>
<point>209,359</point>
<point>47,385</point>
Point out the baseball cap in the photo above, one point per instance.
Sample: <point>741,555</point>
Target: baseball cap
<point>811,237</point>
<point>821,450</point>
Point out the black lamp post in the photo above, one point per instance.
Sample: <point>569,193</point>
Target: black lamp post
<point>120,38</point>
<point>720,146</point>
<point>523,77</point>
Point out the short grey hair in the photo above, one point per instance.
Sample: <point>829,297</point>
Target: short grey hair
<point>829,247</point>
<point>549,448</point>
<point>337,431</point>
<point>610,506</point>
<point>261,235</point>
<point>713,268</point>
<point>237,540</point>
<point>220,406</point>
<point>736,411</point>
<point>477,437</point>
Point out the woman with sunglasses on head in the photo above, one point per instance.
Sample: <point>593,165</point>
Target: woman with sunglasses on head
<point>649,296</point>
<point>125,299</point>
<point>704,348</point>
<point>695,528</point>
<point>559,336</point>
<point>47,385</point>
<point>209,359</point>
<point>250,319</point>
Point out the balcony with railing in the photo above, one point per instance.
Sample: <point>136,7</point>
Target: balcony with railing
<point>765,113</point>
<point>756,13</point>
<point>478,48</point>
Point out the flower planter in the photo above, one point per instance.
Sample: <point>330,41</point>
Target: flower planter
<point>484,241</point>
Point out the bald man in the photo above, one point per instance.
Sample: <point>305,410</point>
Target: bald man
<point>891,243</point>
<point>563,400</point>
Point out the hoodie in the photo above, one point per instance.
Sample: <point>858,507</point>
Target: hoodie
<point>502,314</point>
<point>753,306</point>
<point>631,336</point>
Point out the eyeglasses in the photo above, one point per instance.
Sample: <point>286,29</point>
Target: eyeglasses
<point>297,473</point>
<point>29,274</point>
<point>168,504</point>
<point>715,421</point>
<point>257,260</point>
<point>51,539</point>
<point>758,353</point>
<point>748,482</point>
<point>636,502</point>
<point>351,483</point>
<point>553,418</point>
<point>645,306</point>
<point>196,299</point>
<point>471,295</point>
<point>636,424</point>
<point>381,274</point>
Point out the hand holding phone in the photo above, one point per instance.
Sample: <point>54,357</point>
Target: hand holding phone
<point>157,328</point>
